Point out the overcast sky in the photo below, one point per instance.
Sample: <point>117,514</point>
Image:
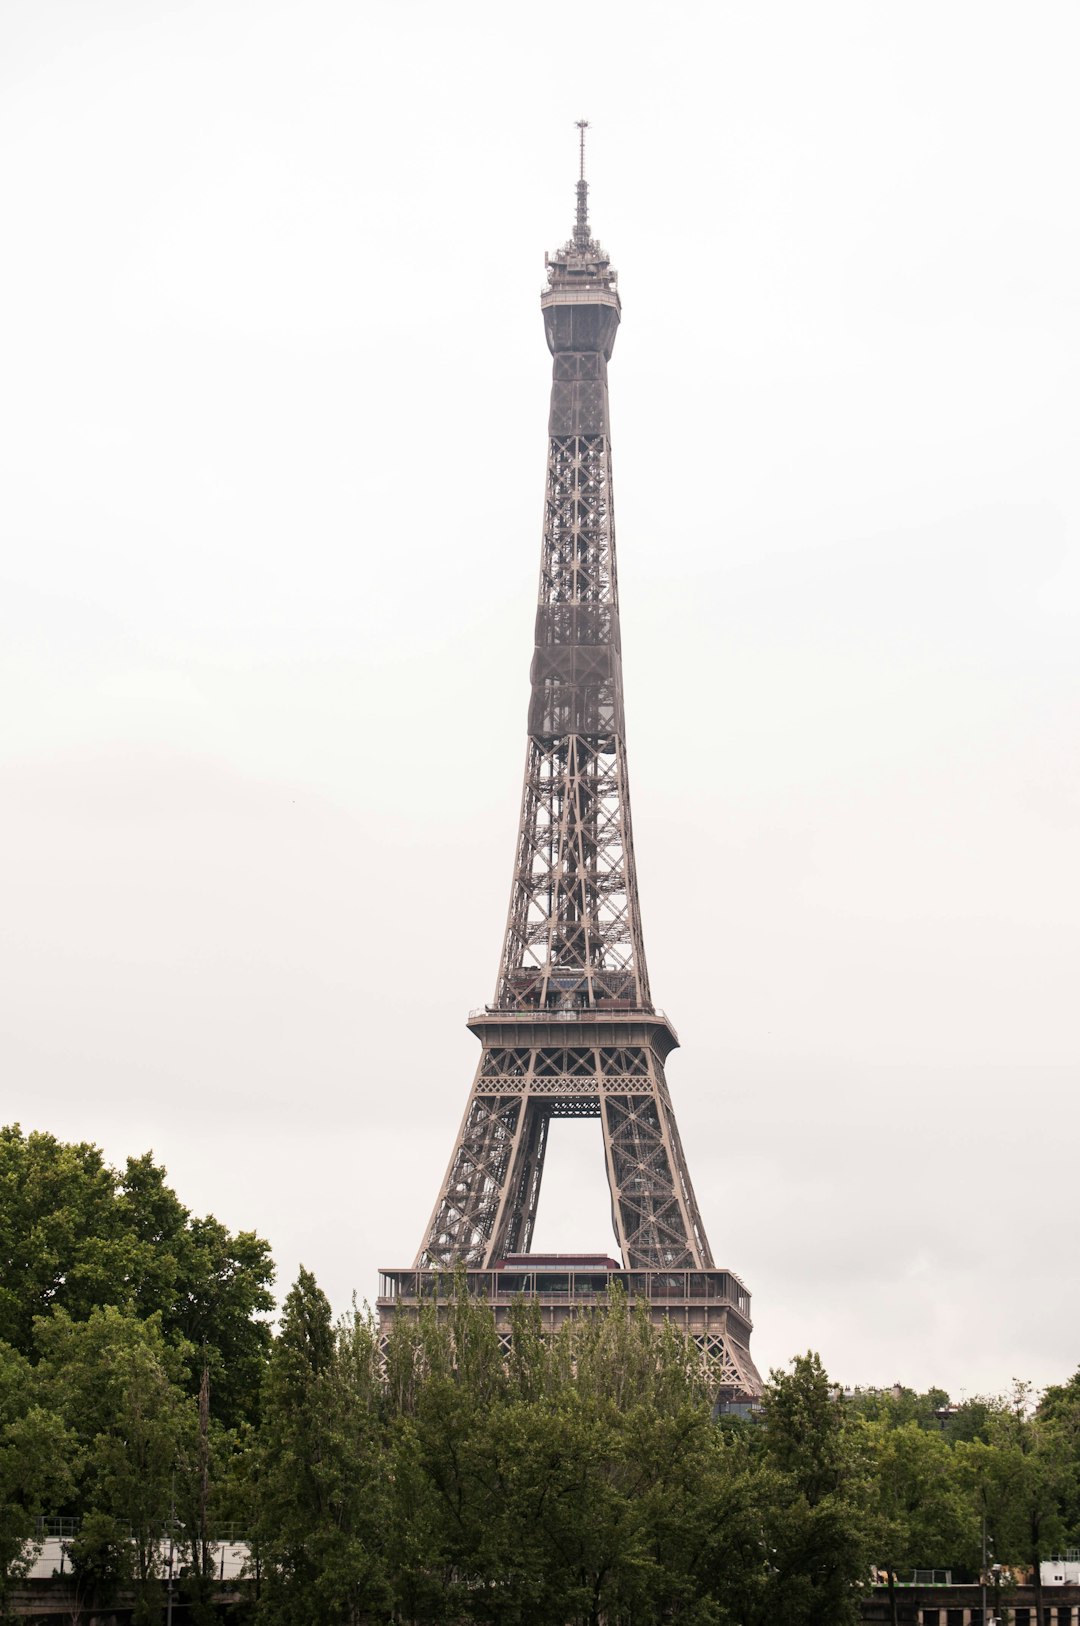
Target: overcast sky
<point>272,414</point>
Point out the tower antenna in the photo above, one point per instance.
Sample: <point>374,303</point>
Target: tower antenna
<point>581,223</point>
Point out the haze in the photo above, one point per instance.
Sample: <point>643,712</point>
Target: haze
<point>273,412</point>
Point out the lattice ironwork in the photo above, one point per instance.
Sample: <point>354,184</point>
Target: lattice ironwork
<point>488,1205</point>
<point>573,955</point>
<point>729,1362</point>
<point>573,935</point>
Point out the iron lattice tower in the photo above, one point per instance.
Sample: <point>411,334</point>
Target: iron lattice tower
<point>573,1031</point>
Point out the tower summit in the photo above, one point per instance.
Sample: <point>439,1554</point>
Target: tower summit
<point>572,1031</point>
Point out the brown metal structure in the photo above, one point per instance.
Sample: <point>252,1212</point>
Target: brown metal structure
<point>573,1031</point>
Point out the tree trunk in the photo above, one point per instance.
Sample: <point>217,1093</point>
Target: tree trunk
<point>204,1472</point>
<point>893,1616</point>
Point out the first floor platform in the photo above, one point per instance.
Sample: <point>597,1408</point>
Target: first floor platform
<point>711,1307</point>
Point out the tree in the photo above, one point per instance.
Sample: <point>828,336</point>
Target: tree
<point>617,1354</point>
<point>817,1528</point>
<point>1023,1477</point>
<point>120,1388</point>
<point>35,1467</point>
<point>898,1405</point>
<point>57,1231</point>
<point>582,1479</point>
<point>1061,1401</point>
<point>564,1508</point>
<point>971,1419</point>
<point>320,1525</point>
<point>1058,1418</point>
<point>920,1516</point>
<point>740,1509</point>
<point>206,1455</point>
<point>76,1235</point>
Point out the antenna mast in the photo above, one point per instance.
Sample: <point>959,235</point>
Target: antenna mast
<point>581,224</point>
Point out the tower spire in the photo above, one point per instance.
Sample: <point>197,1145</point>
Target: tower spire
<point>581,223</point>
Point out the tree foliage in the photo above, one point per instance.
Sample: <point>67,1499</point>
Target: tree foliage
<point>77,1236</point>
<point>35,1466</point>
<point>443,1477</point>
<point>320,1527</point>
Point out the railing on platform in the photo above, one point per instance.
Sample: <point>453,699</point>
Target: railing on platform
<point>51,1560</point>
<point>668,1287</point>
<point>573,1013</point>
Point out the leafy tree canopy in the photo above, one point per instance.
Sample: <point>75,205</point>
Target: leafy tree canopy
<point>77,1235</point>
<point>35,1465</point>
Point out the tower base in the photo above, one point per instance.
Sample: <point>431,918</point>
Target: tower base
<point>711,1307</point>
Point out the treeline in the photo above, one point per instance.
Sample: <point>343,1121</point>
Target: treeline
<point>583,1479</point>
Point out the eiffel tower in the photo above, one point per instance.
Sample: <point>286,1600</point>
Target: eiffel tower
<point>573,1032</point>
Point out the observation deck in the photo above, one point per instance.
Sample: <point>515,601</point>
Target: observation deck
<point>711,1307</point>
<point>618,1022</point>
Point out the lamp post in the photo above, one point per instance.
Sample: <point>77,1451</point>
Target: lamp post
<point>995,1571</point>
<point>172,1550</point>
<point>982,1573</point>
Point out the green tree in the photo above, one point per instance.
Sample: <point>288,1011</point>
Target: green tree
<point>567,1539</point>
<point>920,1513</point>
<point>1024,1478</point>
<point>1061,1401</point>
<point>57,1225</point>
<point>898,1405</point>
<point>583,1479</point>
<point>816,1531</point>
<point>548,1511</point>
<point>76,1235</point>
<point>119,1386</point>
<point>617,1354</point>
<point>209,1461</point>
<point>35,1467</point>
<point>740,1511</point>
<point>320,1525</point>
<point>1058,1419</point>
<point>971,1420</point>
<point>445,1377</point>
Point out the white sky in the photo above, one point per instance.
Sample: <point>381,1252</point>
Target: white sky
<point>272,418</point>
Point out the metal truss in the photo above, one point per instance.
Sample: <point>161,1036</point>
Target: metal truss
<point>573,935</point>
<point>572,1030</point>
<point>488,1204</point>
<point>729,1364</point>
